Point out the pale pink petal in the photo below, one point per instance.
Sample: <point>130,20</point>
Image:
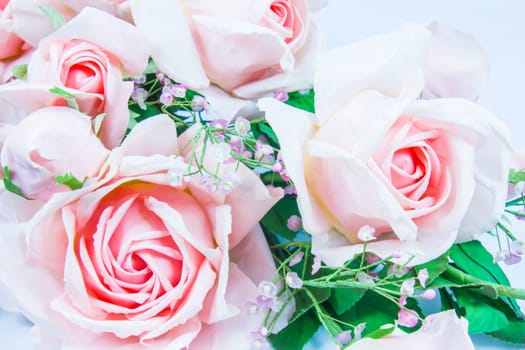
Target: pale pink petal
<point>486,135</point>
<point>253,257</point>
<point>300,77</point>
<point>139,141</point>
<point>249,193</point>
<point>255,48</point>
<point>293,132</point>
<point>241,290</point>
<point>224,106</point>
<point>456,65</point>
<point>388,63</point>
<point>446,331</point>
<point>163,22</point>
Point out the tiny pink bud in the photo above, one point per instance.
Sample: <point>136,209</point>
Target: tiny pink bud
<point>429,294</point>
<point>407,318</point>
<point>294,223</point>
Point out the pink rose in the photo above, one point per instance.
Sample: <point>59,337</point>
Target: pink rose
<point>440,331</point>
<point>32,24</point>
<point>422,173</point>
<point>456,65</point>
<point>246,48</point>
<point>50,142</point>
<point>137,259</point>
<point>82,59</point>
<point>10,43</point>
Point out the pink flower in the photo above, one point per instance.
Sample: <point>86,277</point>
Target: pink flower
<point>90,65</point>
<point>443,331</point>
<point>10,43</point>
<point>32,24</point>
<point>456,65</point>
<point>50,142</point>
<point>423,173</point>
<point>134,261</point>
<point>247,48</point>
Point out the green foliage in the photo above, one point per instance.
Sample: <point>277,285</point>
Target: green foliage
<point>434,268</point>
<point>9,186</point>
<point>342,299</point>
<point>71,101</point>
<point>372,309</point>
<point>69,180</point>
<point>302,100</point>
<point>264,129</point>
<point>513,333</point>
<point>20,71</point>
<point>57,19</point>
<point>276,219</point>
<point>297,333</point>
<point>481,315</point>
<point>516,176</point>
<point>476,261</point>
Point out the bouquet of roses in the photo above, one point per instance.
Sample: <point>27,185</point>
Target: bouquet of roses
<point>204,175</point>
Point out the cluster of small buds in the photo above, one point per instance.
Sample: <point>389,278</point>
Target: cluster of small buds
<point>199,103</point>
<point>293,280</point>
<point>407,318</point>
<point>281,95</point>
<point>366,233</point>
<point>260,342</point>
<point>316,266</point>
<point>296,259</point>
<point>365,278</point>
<point>294,223</point>
<point>508,257</point>
<point>397,270</point>
<point>140,95</point>
<point>225,184</point>
<point>171,91</point>
<point>422,276</point>
<point>345,337</point>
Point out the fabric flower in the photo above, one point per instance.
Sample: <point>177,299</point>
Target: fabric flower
<point>456,66</point>
<point>247,48</point>
<point>441,331</point>
<point>423,173</point>
<point>10,43</point>
<point>48,143</point>
<point>32,24</point>
<point>88,64</point>
<point>133,260</point>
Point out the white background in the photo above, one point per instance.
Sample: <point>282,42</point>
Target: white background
<point>498,25</point>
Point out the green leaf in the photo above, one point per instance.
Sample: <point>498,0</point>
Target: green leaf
<point>435,267</point>
<point>513,333</point>
<point>69,180</point>
<point>476,261</point>
<point>373,309</point>
<point>97,122</point>
<point>9,186</point>
<point>132,119</point>
<point>277,218</point>
<point>302,100</point>
<point>274,179</point>
<point>303,303</point>
<point>297,333</point>
<point>151,68</point>
<point>516,176</point>
<point>57,19</point>
<point>71,101</point>
<point>481,315</point>
<point>264,129</point>
<point>382,331</point>
<point>342,299</point>
<point>20,71</point>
